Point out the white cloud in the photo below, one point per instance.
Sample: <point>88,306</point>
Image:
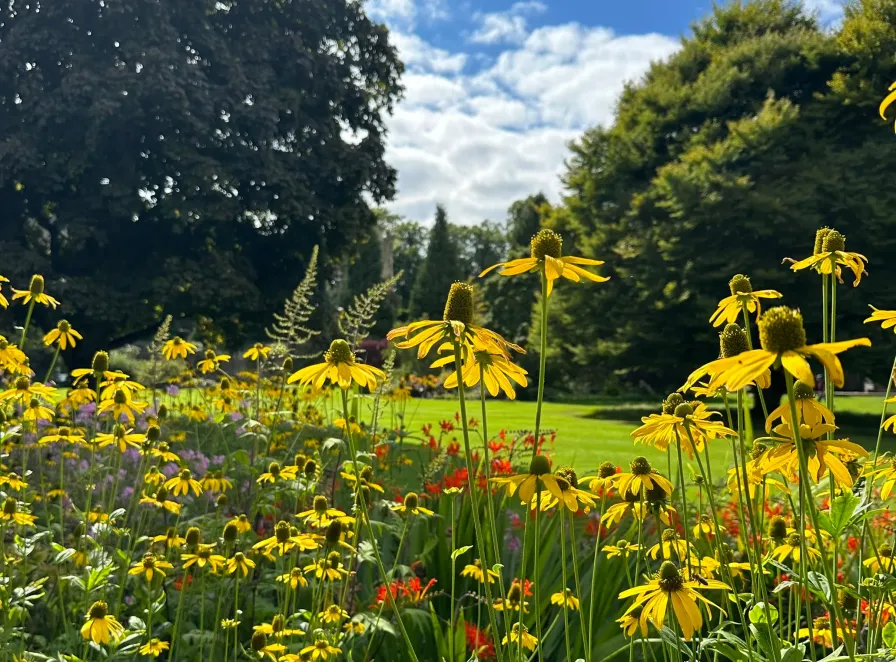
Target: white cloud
<point>404,13</point>
<point>505,27</point>
<point>418,54</point>
<point>829,11</point>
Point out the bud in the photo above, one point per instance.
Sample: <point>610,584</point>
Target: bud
<point>671,402</point>
<point>37,284</point>
<point>100,362</point>
<point>221,500</point>
<point>459,305</point>
<point>193,536</point>
<point>777,528</point>
<point>230,532</point>
<point>781,330</point>
<point>310,468</point>
<point>546,242</point>
<point>162,414</point>
<point>334,532</point>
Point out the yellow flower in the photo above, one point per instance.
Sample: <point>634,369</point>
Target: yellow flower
<point>571,497</point>
<point>622,549</point>
<point>354,428</point>
<point>239,562</point>
<point>153,647</point>
<point>284,541</point>
<point>170,539</point>
<point>160,500</point>
<point>328,568</point>
<point>884,560</point>
<point>242,524</point>
<point>456,325</point>
<point>321,514</point>
<point>515,599</point>
<point>256,352</point>
<point>3,302</point>
<point>832,253</point>
<point>35,293</point>
<point>12,512</point>
<point>690,420</point>
<point>177,348</point>
<point>149,566</point>
<point>670,544</point>
<point>525,639</point>
<point>886,317</point>
<point>294,578</point>
<point>229,624</point>
<point>476,571</point>
<point>164,453</point>
<point>546,250</point>
<point>539,479</point>
<point>14,481</point>
<point>277,628</point>
<point>411,505</point>
<point>809,410</point>
<point>743,297</point>
<point>790,547</point>
<point>36,411</point>
<point>121,404</point>
<point>101,627</point>
<point>182,483</point>
<point>339,367</point>
<point>495,369</point>
<point>262,648</point>
<point>121,437</point>
<point>822,632</point>
<point>565,599</point>
<point>319,650</point>
<point>11,357</point>
<point>642,478</point>
<point>670,588</point>
<point>64,334</point>
<point>204,556</point>
<point>333,614</point>
<point>23,390</point>
<point>211,361</point>
<point>822,454</point>
<point>783,340</point>
<point>215,481</point>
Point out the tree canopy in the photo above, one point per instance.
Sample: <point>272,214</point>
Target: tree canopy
<point>186,156</point>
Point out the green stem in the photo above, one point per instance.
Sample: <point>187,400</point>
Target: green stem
<point>453,577</point>
<point>27,322</point>
<point>750,345</point>
<point>564,588</point>
<point>53,362</point>
<point>542,360</point>
<point>365,516</point>
<point>592,597</point>
<point>575,570</point>
<point>535,573</point>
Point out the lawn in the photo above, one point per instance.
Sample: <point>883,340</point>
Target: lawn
<point>596,431</point>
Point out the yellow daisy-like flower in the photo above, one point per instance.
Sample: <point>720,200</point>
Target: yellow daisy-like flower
<point>832,253</point>
<point>546,257</point>
<point>63,334</point>
<point>670,546</point>
<point>887,318</point>
<point>521,636</point>
<point>101,627</point>
<point>215,481</point>
<point>783,340</point>
<point>565,599</point>
<point>294,578</point>
<point>477,572</point>
<point>35,293</point>
<point>277,628</point>
<point>339,367</point>
<point>276,473</point>
<point>239,563</point>
<point>885,468</point>
<point>149,566</point>
<point>285,540</point>
<point>321,514</point>
<point>3,301</point>
<point>37,411</point>
<point>121,437</point>
<point>822,454</point>
<point>622,549</point>
<point>121,404</point>
<point>670,588</point>
<point>538,479</point>
<point>790,547</point>
<point>23,390</point>
<point>12,512</point>
<point>572,497</point>
<point>809,410</point>
<point>641,479</point>
<point>163,452</point>
<point>11,357</point>
<point>742,297</point>
<point>495,369</point>
<point>333,614</point>
<point>689,420</point>
<point>177,348</point>
<point>411,505</point>
<point>883,562</point>
<point>256,352</point>
<point>204,556</point>
<point>319,650</point>
<point>211,361</point>
<point>353,426</point>
<point>14,481</point>
<point>328,568</point>
<point>183,483</point>
<point>161,500</point>
<point>456,325</point>
<point>153,648</point>
<point>822,632</point>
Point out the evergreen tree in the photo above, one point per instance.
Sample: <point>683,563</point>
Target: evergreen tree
<point>440,268</point>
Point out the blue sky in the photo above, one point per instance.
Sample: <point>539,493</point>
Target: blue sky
<point>496,89</point>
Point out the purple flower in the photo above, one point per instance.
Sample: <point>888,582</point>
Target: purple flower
<point>173,390</point>
<point>236,416</point>
<point>127,493</point>
<point>170,469</point>
<point>218,460</point>
<point>513,544</point>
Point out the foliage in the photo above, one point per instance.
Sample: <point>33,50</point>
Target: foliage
<point>289,331</point>
<point>216,143</point>
<point>356,321</point>
<point>440,268</point>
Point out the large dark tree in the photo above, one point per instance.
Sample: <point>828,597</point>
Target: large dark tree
<point>184,156</point>
<point>439,269</point>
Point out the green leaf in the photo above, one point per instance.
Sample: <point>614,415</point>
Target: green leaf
<point>758,614</point>
<point>837,519</point>
<point>460,550</point>
<point>889,634</point>
<point>794,654</point>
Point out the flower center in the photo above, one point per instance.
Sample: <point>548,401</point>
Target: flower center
<point>98,610</point>
<point>282,532</point>
<point>732,341</point>
<point>671,402</point>
<point>459,305</point>
<point>834,241</point>
<point>37,284</point>
<point>274,469</point>
<point>64,326</point>
<point>546,242</point>
<point>781,330</point>
<point>539,466</point>
<point>684,410</point>
<point>607,469</point>
<point>259,641</point>
<point>411,501</point>
<point>640,466</point>
<point>740,284</point>
<point>820,235</point>
<point>568,474</point>
<point>669,535</point>
<point>670,578</point>
<point>803,391</point>
<point>23,383</point>
<point>10,506</point>
<point>320,504</point>
<point>340,352</point>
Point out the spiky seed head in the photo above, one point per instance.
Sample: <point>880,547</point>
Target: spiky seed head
<point>411,500</point>
<point>640,466</point>
<point>459,304</point>
<point>37,284</point>
<point>100,362</point>
<point>671,402</point>
<point>670,578</point>
<point>607,469</point>
<point>99,610</point>
<point>546,242</point>
<point>781,330</point>
<point>539,466</point>
<point>777,528</point>
<point>732,341</point>
<point>820,236</point>
<point>740,284</point>
<point>569,475</point>
<point>340,352</point>
<point>834,241</point>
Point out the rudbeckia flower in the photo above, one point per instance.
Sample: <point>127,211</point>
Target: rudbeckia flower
<point>689,421</point>
<point>832,253</point>
<point>35,293</point>
<point>670,588</point>
<point>150,566</point>
<point>515,599</point>
<point>565,599</point>
<point>456,325</point>
<point>23,390</point>
<point>239,563</point>
<point>204,556</point>
<point>823,634</point>
<point>790,547</point>
<point>328,568</point>
<point>276,473</point>
<point>783,339</point>
<point>742,298</point>
<point>3,301</point>
<point>822,454</point>
<point>11,357</point>
<point>160,500</point>
<point>294,578</point>
<point>319,650</point>
<point>177,348</point>
<point>622,549</point>
<point>538,479</point>
<point>261,647</point>
<point>63,334</point>
<point>809,410</point>
<point>285,540</point>
<point>546,257</point>
<point>522,636</point>
<point>121,404</point>
<point>101,627</point>
<point>884,560</point>
<point>257,352</point>
<point>333,614</point>
<point>183,483</point>
<point>733,342</point>
<point>572,497</point>
<point>12,512</point>
<point>277,628</point>
<point>153,648</point>
<point>642,478</point>
<point>211,361</point>
<point>477,572</point>
<point>495,369</point>
<point>321,514</point>
<point>670,546</point>
<point>339,367</point>
<point>121,437</point>
<point>411,505</point>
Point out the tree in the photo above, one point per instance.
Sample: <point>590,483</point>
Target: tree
<point>186,156</point>
<point>725,159</point>
<point>439,269</point>
<point>480,246</point>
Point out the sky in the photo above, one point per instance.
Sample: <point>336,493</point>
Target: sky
<point>496,89</point>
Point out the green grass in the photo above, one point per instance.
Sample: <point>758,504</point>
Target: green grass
<point>596,431</point>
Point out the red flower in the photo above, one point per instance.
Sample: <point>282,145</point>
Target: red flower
<point>479,642</point>
<point>456,479</point>
<point>496,446</point>
<point>502,468</point>
<point>852,543</point>
<point>427,429</point>
<point>447,426</point>
<point>453,448</point>
<point>473,423</point>
<point>433,488</point>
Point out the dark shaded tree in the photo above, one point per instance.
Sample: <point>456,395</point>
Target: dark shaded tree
<point>186,156</point>
<point>439,269</point>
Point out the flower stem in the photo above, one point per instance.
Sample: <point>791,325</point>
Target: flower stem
<point>53,362</point>
<point>27,322</point>
<point>563,589</point>
<point>542,360</point>
<point>592,597</point>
